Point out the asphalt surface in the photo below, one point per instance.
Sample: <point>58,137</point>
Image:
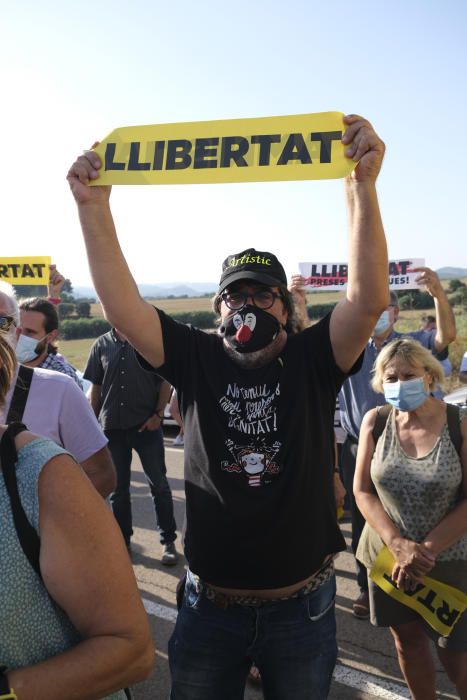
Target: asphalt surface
<point>367,668</point>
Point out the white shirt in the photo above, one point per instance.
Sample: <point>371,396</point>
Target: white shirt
<point>56,408</point>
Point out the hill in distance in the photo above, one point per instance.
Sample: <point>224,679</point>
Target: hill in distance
<point>161,291</point>
<point>196,289</point>
<point>451,273</point>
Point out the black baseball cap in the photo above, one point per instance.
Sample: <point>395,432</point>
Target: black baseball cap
<point>252,264</point>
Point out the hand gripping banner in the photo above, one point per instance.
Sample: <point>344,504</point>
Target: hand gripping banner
<point>299,147</point>
<point>439,604</point>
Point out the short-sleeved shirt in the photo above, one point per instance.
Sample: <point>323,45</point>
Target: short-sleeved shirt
<point>258,457</point>
<point>60,365</point>
<point>129,393</point>
<point>56,408</point>
<point>356,396</point>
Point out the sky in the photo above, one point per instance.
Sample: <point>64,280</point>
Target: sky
<point>72,72</point>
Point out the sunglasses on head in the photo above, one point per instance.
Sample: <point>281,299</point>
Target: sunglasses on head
<point>6,322</point>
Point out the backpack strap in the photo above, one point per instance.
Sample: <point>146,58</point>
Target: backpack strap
<point>452,418</point>
<point>454,426</point>
<point>27,535</point>
<point>381,418</point>
<point>20,394</point>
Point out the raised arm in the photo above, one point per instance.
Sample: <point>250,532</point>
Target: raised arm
<point>123,306</point>
<point>353,319</point>
<point>445,321</point>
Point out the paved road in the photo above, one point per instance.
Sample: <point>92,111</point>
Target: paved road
<point>366,668</point>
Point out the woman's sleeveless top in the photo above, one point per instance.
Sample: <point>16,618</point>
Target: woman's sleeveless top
<point>416,493</point>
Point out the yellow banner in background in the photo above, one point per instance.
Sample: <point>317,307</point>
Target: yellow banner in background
<point>439,604</point>
<point>30,270</point>
<point>298,147</point>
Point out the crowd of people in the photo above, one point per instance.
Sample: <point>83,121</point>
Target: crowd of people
<point>256,402</point>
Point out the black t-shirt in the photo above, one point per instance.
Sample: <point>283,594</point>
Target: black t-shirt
<point>258,457</point>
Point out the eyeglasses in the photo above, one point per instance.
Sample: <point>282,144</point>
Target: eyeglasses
<point>263,299</point>
<point>6,322</point>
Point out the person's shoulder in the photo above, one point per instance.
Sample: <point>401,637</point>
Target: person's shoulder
<point>50,376</point>
<point>103,340</point>
<point>423,337</point>
<point>48,380</point>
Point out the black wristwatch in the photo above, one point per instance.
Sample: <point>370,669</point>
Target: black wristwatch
<point>6,693</point>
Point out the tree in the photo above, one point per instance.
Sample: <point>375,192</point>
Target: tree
<point>67,287</point>
<point>27,291</point>
<point>65,310</point>
<point>83,309</point>
<point>454,285</point>
<point>460,299</point>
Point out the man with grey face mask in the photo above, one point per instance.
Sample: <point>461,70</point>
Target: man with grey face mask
<point>357,397</point>
<point>257,403</point>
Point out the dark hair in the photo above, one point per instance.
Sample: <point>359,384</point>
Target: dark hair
<point>49,311</point>
<point>292,325</point>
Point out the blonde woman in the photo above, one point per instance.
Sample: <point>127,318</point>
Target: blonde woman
<point>78,630</point>
<point>412,490</point>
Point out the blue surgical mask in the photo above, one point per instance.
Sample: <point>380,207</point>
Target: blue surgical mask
<point>382,324</point>
<point>406,396</point>
<point>26,348</point>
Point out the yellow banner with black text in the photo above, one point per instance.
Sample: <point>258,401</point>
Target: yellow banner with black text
<point>439,604</point>
<point>298,147</point>
<point>25,270</point>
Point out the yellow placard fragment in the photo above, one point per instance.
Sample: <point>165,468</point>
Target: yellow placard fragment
<point>439,604</point>
<point>298,147</point>
<point>29,270</point>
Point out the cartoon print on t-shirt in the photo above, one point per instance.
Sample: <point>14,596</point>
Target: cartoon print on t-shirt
<point>251,412</point>
<point>255,462</point>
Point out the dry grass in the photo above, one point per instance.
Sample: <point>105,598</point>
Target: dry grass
<point>170,306</point>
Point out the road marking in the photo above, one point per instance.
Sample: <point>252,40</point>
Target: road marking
<point>370,684</point>
<point>345,675</point>
<point>158,610</point>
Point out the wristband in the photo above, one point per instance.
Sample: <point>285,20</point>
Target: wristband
<point>337,470</point>
<point>160,413</point>
<point>6,693</point>
<point>55,300</point>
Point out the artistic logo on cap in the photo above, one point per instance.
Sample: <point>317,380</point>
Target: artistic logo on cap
<point>249,259</point>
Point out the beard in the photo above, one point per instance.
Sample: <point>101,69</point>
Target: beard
<point>258,358</point>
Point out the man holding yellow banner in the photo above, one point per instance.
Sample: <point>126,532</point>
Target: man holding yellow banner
<point>411,487</point>
<point>257,406</point>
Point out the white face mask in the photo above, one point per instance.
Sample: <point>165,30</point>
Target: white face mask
<point>382,324</point>
<point>26,348</point>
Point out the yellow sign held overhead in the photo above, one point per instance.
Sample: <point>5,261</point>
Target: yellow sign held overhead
<point>30,270</point>
<point>439,604</point>
<point>299,147</point>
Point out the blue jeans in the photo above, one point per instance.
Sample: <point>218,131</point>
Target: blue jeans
<point>149,445</point>
<point>293,643</point>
